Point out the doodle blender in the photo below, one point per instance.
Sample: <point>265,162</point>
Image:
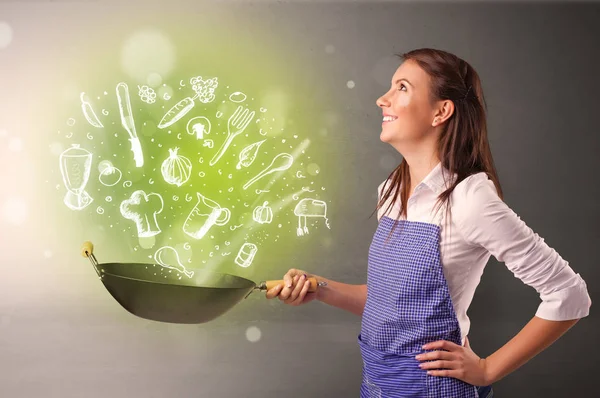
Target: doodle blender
<point>174,192</point>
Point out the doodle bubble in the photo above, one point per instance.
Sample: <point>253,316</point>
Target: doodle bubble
<point>56,148</point>
<point>165,92</point>
<point>147,55</point>
<point>331,118</point>
<point>253,334</point>
<point>313,169</point>
<point>350,84</point>
<point>147,242</point>
<point>104,165</point>
<point>110,176</point>
<point>70,122</point>
<point>15,211</point>
<point>6,34</point>
<point>15,145</point>
<point>154,79</point>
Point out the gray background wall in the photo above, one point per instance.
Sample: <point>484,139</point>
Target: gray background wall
<point>61,335</point>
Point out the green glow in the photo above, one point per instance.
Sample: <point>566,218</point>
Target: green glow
<point>286,121</point>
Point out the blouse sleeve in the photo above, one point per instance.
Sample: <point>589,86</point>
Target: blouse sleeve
<point>485,220</point>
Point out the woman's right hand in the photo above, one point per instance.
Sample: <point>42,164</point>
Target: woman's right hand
<point>294,290</point>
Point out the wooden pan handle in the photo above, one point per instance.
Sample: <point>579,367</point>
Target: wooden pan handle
<point>313,284</point>
<point>87,249</point>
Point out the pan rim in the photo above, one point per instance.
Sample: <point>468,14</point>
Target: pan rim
<point>252,283</point>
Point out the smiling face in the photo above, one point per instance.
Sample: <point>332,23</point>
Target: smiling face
<point>407,110</point>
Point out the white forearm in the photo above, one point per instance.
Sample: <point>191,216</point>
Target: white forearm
<point>342,295</point>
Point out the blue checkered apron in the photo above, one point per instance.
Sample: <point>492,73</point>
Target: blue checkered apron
<point>408,305</point>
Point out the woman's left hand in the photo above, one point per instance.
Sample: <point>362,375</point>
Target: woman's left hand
<point>456,361</point>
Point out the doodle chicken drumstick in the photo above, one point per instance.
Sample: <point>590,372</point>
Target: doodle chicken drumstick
<point>128,123</point>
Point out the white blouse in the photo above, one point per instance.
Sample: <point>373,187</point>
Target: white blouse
<point>481,225</point>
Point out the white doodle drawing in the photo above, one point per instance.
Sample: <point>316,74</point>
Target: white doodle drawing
<point>263,214</point>
<point>75,166</point>
<point>168,257</point>
<point>198,126</point>
<point>309,208</point>
<point>281,162</point>
<point>208,143</point>
<point>176,169</point>
<point>248,154</point>
<point>110,175</point>
<point>203,216</point>
<point>147,94</point>
<point>299,174</point>
<point>204,93</point>
<point>246,254</point>
<point>89,113</point>
<point>237,97</point>
<point>204,88</point>
<point>236,124</point>
<point>142,209</point>
<point>128,122</point>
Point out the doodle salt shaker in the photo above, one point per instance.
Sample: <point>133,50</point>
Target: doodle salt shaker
<point>246,254</point>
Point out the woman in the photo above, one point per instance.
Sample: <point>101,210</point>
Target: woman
<point>441,216</point>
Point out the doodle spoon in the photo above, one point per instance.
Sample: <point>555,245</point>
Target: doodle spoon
<point>281,162</point>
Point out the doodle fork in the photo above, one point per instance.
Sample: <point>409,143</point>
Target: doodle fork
<point>236,124</point>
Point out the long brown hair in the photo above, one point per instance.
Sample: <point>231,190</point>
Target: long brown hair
<point>463,147</point>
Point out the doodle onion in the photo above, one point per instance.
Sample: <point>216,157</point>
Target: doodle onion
<point>176,169</point>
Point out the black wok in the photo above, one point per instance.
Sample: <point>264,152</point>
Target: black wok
<point>151,291</point>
